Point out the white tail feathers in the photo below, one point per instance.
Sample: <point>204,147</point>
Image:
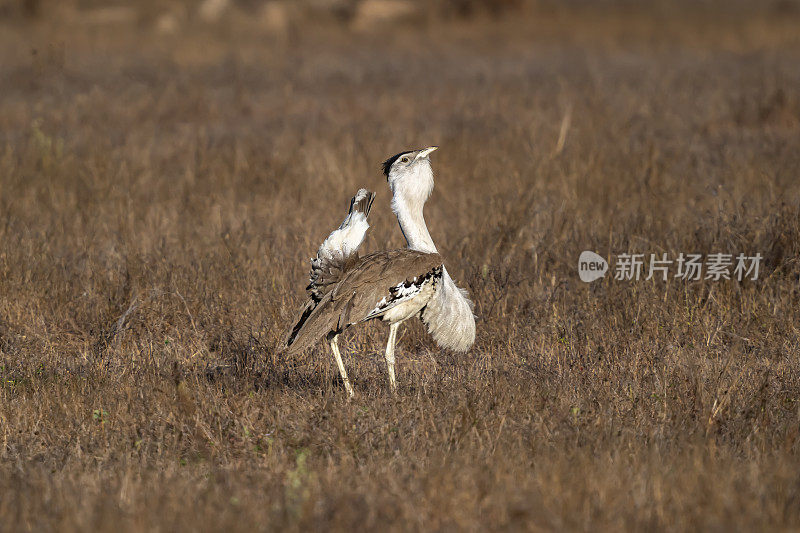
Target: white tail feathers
<point>448,316</point>
<point>345,240</point>
<point>341,244</point>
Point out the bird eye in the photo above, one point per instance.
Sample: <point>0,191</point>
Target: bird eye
<point>404,160</point>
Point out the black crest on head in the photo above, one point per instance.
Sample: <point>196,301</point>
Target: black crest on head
<point>387,165</point>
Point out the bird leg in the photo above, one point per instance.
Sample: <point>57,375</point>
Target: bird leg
<point>340,363</point>
<point>390,355</point>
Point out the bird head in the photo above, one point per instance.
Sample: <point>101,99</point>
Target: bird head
<point>410,173</point>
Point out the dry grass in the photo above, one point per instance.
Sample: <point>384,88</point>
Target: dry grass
<point>160,196</point>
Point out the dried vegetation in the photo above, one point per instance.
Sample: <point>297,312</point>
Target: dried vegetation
<point>161,193</point>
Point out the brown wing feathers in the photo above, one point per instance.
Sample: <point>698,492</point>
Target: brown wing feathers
<point>356,294</point>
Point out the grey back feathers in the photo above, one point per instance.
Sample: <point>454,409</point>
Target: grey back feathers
<point>355,296</point>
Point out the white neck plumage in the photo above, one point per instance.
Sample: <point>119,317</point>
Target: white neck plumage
<point>412,224</point>
<point>448,315</point>
<point>408,199</point>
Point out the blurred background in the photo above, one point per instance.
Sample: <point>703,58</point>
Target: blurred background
<point>350,11</point>
<point>346,11</point>
<point>285,16</point>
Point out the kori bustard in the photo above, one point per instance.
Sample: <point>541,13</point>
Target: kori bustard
<point>392,285</point>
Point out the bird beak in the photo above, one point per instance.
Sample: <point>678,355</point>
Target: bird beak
<point>425,152</point>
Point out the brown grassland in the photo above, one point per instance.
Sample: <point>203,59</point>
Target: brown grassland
<point>161,193</point>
